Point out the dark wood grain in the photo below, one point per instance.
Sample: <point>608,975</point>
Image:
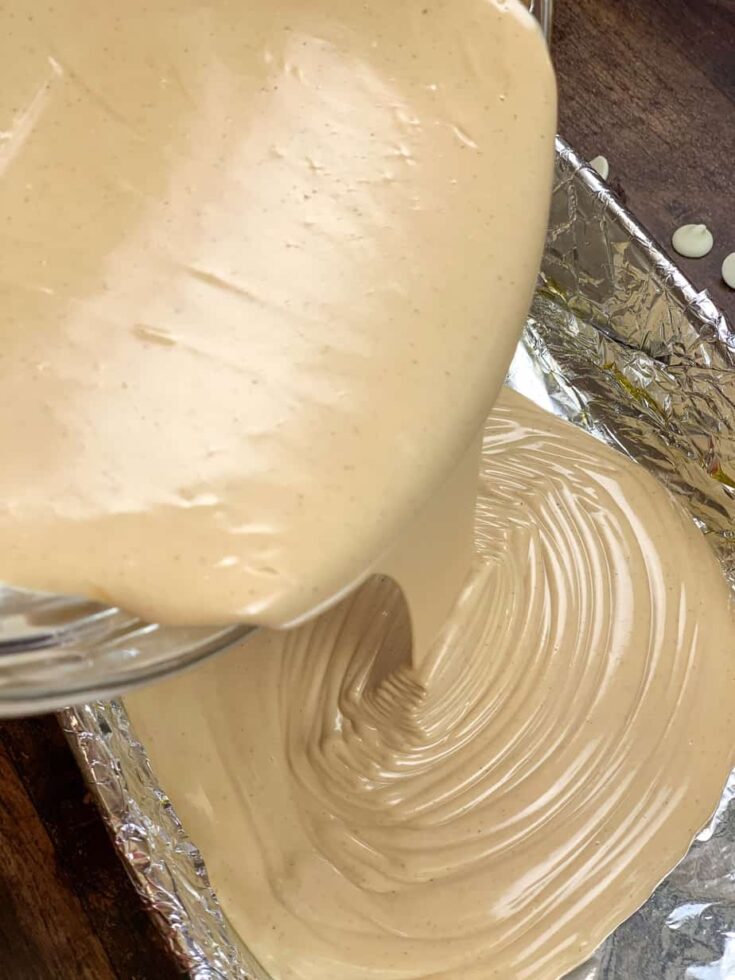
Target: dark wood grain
<point>43,929</point>
<point>64,897</point>
<point>649,83</point>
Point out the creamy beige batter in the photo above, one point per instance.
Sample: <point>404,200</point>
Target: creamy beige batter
<point>494,810</point>
<point>263,269</point>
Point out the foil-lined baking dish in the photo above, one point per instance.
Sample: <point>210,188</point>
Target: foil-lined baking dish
<point>620,343</point>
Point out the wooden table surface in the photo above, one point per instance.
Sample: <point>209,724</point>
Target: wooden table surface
<point>649,83</point>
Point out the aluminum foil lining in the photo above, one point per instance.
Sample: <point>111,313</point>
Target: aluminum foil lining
<point>620,343</point>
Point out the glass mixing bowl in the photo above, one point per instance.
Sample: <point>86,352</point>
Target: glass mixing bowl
<point>543,10</point>
<point>58,650</point>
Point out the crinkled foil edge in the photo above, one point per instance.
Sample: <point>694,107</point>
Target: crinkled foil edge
<point>166,868</point>
<point>621,343</point>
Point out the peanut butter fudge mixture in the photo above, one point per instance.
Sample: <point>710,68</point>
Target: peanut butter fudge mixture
<point>264,267</point>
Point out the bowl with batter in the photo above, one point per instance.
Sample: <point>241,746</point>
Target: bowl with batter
<point>227,350</point>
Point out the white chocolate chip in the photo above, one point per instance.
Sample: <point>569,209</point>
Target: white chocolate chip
<point>693,241</point>
<point>601,165</point>
<point>728,270</point>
